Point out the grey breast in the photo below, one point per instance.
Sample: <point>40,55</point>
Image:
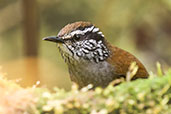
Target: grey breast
<point>98,74</point>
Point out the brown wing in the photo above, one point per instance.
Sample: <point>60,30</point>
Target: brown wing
<point>122,59</point>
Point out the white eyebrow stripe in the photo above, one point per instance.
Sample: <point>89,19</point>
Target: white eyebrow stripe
<point>95,29</point>
<point>67,36</point>
<point>89,29</point>
<point>76,32</point>
<point>100,33</point>
<point>82,32</point>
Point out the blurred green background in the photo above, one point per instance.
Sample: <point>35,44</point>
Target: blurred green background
<point>140,27</point>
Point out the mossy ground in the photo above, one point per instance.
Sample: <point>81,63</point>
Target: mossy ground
<point>150,96</point>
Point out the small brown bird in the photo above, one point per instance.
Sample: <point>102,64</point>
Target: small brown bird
<point>90,58</point>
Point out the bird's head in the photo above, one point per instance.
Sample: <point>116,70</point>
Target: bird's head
<point>81,40</point>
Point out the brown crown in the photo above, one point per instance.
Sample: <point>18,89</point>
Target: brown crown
<point>73,26</point>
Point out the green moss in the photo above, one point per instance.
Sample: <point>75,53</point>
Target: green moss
<point>150,96</point>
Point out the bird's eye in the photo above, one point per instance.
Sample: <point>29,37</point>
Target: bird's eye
<point>76,37</point>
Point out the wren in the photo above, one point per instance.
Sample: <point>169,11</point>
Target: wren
<point>91,59</point>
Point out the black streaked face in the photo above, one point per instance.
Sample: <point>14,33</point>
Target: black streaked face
<point>87,43</point>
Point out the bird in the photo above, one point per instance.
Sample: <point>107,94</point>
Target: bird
<point>90,58</point>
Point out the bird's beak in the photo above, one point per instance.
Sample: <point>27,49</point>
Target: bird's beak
<point>54,39</point>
